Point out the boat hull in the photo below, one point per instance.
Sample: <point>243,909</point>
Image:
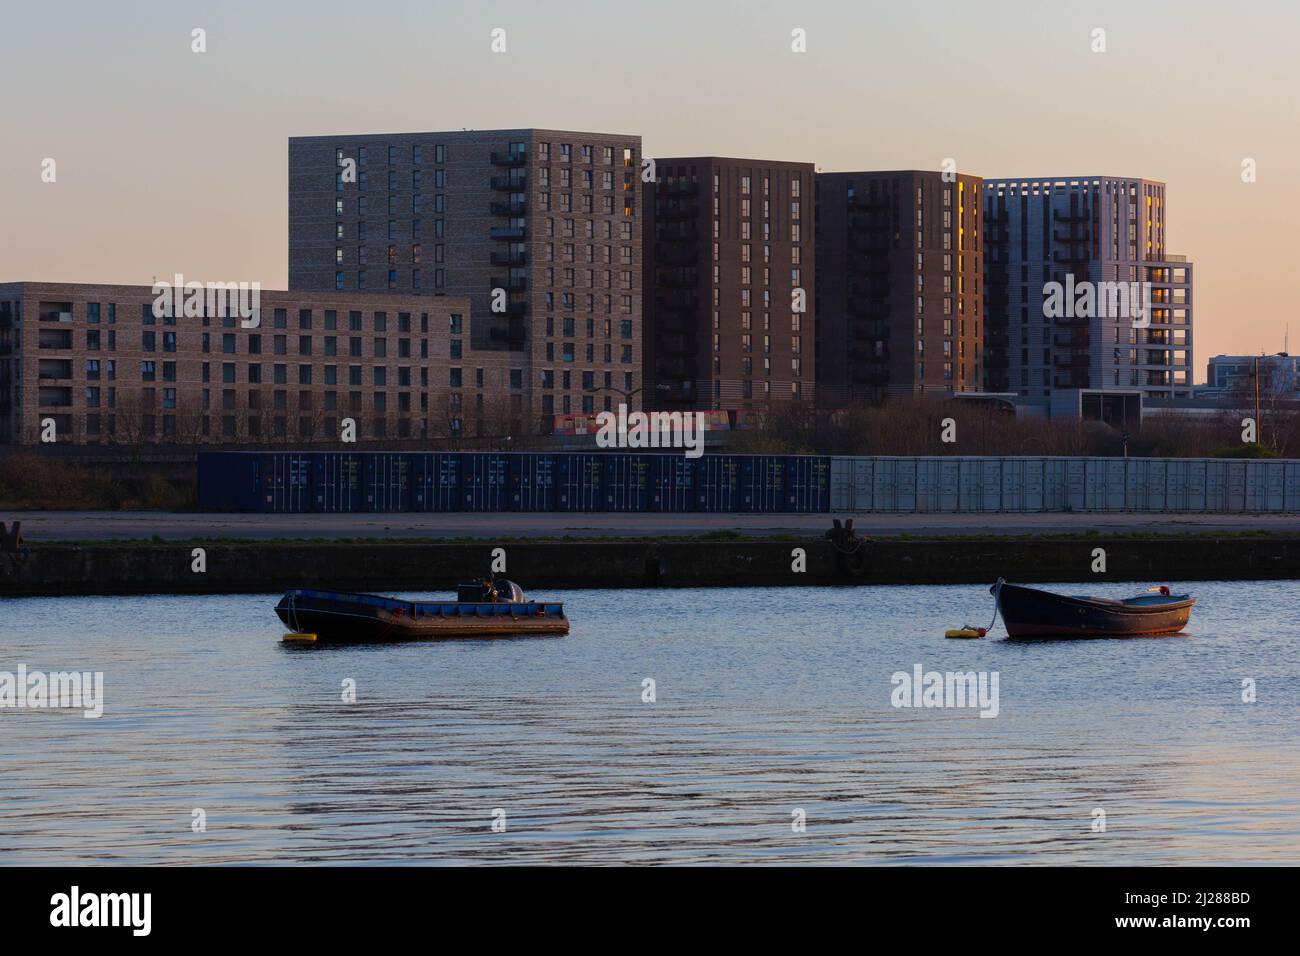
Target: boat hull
<point>1029,612</point>
<point>343,616</point>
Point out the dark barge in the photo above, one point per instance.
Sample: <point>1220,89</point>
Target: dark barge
<point>482,609</point>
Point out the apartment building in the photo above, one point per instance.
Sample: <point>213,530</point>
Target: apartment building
<point>1237,376</point>
<point>539,229</point>
<point>899,272</point>
<point>730,303</point>
<point>100,364</point>
<point>1042,236</point>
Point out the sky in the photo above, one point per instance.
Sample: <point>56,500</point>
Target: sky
<point>168,160</point>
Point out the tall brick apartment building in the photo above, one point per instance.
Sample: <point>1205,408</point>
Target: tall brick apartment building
<point>727,242</point>
<point>545,224</point>
<point>899,272</point>
<point>97,362</point>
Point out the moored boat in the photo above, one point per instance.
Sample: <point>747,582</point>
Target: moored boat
<point>481,609</point>
<point>1030,612</point>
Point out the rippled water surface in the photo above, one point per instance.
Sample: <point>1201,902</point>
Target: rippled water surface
<point>768,702</point>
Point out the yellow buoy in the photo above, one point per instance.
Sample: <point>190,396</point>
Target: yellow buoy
<point>966,632</point>
<point>299,638</point>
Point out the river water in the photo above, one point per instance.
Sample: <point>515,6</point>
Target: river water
<point>771,736</point>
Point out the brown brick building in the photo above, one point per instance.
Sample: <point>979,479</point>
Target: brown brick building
<point>538,229</point>
<point>99,363</point>
<point>728,243</point>
<point>899,270</point>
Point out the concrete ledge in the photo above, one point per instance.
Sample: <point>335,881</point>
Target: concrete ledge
<point>270,567</point>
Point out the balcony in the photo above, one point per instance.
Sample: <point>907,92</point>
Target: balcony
<point>1071,360</point>
<point>1059,216</point>
<point>670,255</point>
<point>677,187</point>
<point>54,397</point>
<point>677,301</point>
<point>676,322</point>
<point>1073,340</point>
<point>509,283</point>
<point>508,232</point>
<point>678,346</point>
<point>55,339</point>
<point>509,184</point>
<point>676,232</point>
<point>868,201</point>
<point>508,208</point>
<point>509,258</point>
<point>513,339</point>
<point>511,158</point>
<point>677,279</point>
<point>676,212</point>
<point>54,311</point>
<point>53,370</point>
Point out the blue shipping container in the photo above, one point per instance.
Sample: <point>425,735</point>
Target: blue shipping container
<point>532,482</point>
<point>336,481</point>
<point>387,481</point>
<point>807,484</point>
<point>672,483</point>
<point>228,480</point>
<point>286,482</point>
<point>627,482</point>
<point>717,483</point>
<point>435,481</point>
<point>485,482</point>
<point>581,479</point>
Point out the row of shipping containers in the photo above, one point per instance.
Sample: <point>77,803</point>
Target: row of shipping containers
<point>1064,484</point>
<point>331,482</point>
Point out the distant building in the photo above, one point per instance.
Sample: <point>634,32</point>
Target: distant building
<point>730,303</point>
<point>539,229</point>
<point>1090,230</point>
<point>899,274</point>
<point>1235,375</point>
<point>97,363</point>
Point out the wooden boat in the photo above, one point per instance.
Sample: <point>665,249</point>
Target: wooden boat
<point>481,609</point>
<point>1029,612</point>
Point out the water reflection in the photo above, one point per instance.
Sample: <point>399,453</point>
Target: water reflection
<point>766,702</point>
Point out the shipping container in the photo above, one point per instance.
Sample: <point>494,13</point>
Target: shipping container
<point>532,482</point>
<point>672,483</point>
<point>229,481</point>
<point>485,481</point>
<point>808,484</point>
<point>292,482</point>
<point>1265,485</point>
<point>337,480</point>
<point>387,481</point>
<point>435,481</point>
<point>894,484</point>
<point>580,482</point>
<point>762,483</point>
<point>1291,489</point>
<point>286,482</point>
<point>717,484</point>
<point>929,485</point>
<point>626,482</point>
